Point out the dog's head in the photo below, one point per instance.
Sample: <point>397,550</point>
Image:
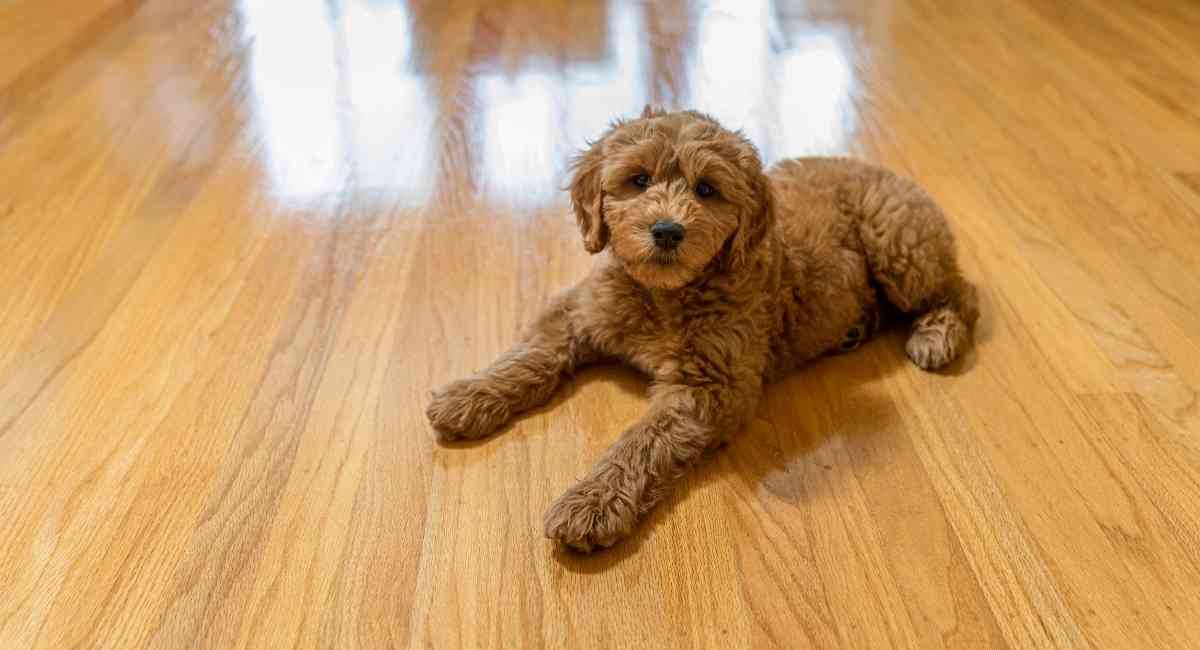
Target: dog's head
<point>671,194</point>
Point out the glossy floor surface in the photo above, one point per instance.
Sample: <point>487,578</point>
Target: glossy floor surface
<point>243,239</point>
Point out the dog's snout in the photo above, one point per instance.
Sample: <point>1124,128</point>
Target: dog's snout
<point>667,233</point>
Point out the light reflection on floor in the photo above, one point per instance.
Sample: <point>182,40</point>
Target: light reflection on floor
<point>340,104</point>
<point>337,103</point>
<point>532,122</point>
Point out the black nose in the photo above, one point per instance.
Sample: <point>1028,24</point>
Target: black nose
<point>667,234</point>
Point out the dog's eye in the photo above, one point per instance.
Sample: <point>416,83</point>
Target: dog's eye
<point>641,180</point>
<point>704,189</point>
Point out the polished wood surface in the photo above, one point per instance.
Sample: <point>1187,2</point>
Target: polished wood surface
<point>243,239</point>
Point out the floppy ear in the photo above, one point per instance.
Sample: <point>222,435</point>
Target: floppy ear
<point>754,222</point>
<point>587,200</point>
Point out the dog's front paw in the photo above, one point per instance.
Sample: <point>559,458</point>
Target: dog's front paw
<point>466,409</point>
<point>593,514</point>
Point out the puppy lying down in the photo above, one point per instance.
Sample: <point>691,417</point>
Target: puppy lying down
<point>719,276</point>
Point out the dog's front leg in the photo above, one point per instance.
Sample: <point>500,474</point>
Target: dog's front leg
<point>523,378</point>
<point>640,468</point>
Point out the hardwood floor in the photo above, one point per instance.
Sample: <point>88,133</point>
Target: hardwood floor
<point>243,239</point>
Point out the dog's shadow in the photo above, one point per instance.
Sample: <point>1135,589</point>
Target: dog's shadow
<point>833,396</point>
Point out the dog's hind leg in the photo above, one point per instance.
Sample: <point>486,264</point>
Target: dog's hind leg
<point>910,250</point>
<point>525,377</point>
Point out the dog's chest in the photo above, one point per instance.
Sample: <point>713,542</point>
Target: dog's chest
<point>660,334</point>
<point>641,332</point>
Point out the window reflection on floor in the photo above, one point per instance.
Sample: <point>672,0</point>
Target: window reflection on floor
<point>817,90</point>
<point>336,100</point>
<point>341,103</point>
<point>533,121</point>
<point>792,94</point>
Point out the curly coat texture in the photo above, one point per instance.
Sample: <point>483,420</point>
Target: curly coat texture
<point>776,268</point>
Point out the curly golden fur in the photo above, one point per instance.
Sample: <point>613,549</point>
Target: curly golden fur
<point>775,268</point>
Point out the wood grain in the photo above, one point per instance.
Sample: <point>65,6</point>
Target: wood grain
<point>243,240</point>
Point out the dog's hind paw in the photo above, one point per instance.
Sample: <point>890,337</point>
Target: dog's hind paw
<point>466,409</point>
<point>937,338</point>
<point>590,515</point>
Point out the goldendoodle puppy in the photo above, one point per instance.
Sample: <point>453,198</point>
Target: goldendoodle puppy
<point>720,276</point>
